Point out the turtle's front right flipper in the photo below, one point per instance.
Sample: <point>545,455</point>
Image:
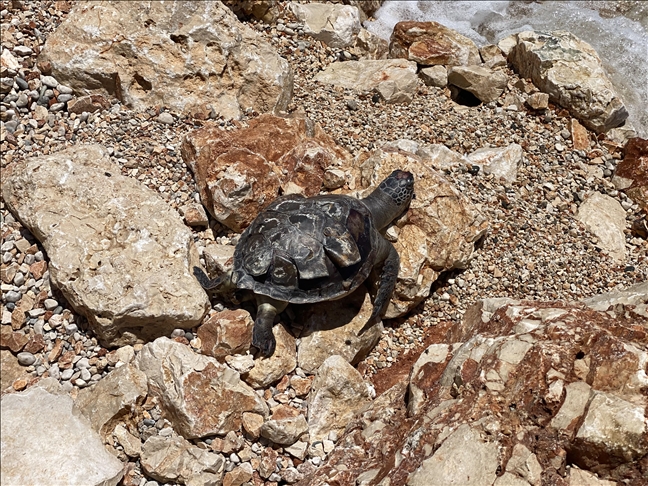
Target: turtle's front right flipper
<point>220,284</point>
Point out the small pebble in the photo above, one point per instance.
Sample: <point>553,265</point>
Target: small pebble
<point>49,81</point>
<point>166,118</point>
<point>50,304</point>
<point>26,359</point>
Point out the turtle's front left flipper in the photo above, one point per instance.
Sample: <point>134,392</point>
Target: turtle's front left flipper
<point>386,284</point>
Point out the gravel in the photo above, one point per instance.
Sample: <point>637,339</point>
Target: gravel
<point>536,249</point>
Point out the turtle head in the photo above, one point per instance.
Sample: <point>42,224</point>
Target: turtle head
<point>391,198</point>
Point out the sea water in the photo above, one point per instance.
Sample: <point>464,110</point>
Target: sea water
<point>617,30</point>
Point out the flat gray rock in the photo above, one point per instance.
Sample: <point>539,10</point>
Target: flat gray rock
<point>45,442</point>
<point>120,255</point>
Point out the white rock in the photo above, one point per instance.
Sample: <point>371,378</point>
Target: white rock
<point>337,394</point>
<point>500,161</point>
<point>169,55</point>
<point>335,25</point>
<point>174,459</point>
<point>571,72</point>
<point>120,255</point>
<point>606,219</point>
<point>395,78</point>
<point>463,458</point>
<point>64,451</point>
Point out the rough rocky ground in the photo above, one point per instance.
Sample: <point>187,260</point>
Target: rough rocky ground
<point>535,250</point>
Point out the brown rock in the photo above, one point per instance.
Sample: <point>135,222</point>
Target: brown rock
<point>301,385</point>
<point>197,394</point>
<point>268,462</point>
<point>194,215</point>
<point>238,476</point>
<point>10,370</point>
<point>580,137</point>
<point>88,103</point>
<point>19,314</point>
<point>56,351</point>
<point>14,341</point>
<point>252,423</point>
<point>538,101</point>
<point>632,172</point>
<point>430,43</point>
<point>226,333</point>
<point>240,172</point>
<point>35,344</point>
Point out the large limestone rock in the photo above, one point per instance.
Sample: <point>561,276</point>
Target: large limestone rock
<point>333,328</point>
<point>117,398</point>
<point>337,394</point>
<point>606,219</point>
<point>239,173</point>
<point>335,25</point>
<point>394,79</point>
<point>197,394</point>
<point>174,459</point>
<point>118,253</point>
<point>430,43</point>
<point>44,441</point>
<point>631,174</point>
<point>525,388</point>
<point>570,71</point>
<point>487,85</point>
<point>181,55</point>
<point>438,233</point>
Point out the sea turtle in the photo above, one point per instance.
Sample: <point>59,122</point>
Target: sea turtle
<point>305,250</point>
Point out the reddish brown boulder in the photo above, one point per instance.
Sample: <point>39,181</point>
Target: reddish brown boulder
<point>632,172</point>
<point>430,43</point>
<point>240,172</point>
<point>523,390</point>
<point>225,333</point>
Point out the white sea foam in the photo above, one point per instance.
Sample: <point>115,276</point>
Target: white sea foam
<point>621,41</point>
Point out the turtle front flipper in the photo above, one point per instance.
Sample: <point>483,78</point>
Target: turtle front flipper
<point>262,337</point>
<point>387,281</point>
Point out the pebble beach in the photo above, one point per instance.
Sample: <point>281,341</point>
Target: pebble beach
<point>535,250</point>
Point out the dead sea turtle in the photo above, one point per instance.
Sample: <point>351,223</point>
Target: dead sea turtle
<point>305,250</point>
